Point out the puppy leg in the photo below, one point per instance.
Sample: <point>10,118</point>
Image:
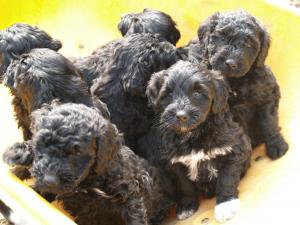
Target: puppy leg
<point>22,117</point>
<point>188,198</point>
<point>19,155</point>
<point>276,146</point>
<point>227,202</point>
<point>135,211</point>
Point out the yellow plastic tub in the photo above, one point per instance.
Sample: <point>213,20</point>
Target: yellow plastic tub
<point>268,193</point>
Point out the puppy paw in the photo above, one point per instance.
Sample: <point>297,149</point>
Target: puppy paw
<point>21,172</point>
<point>184,211</point>
<point>227,210</point>
<point>277,147</point>
<point>20,154</point>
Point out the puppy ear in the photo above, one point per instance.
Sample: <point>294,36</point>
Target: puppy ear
<point>208,26</point>
<point>221,95</point>
<point>265,42</point>
<point>55,44</point>
<point>124,24</point>
<point>39,115</point>
<point>101,107</point>
<point>154,86</point>
<point>107,143</point>
<point>10,75</point>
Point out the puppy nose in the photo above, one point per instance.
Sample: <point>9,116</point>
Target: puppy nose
<point>231,63</point>
<point>182,116</point>
<point>51,180</point>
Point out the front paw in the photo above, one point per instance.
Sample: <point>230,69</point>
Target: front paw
<point>226,210</point>
<point>20,154</point>
<point>277,147</point>
<point>186,209</point>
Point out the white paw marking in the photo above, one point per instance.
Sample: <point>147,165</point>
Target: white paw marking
<point>186,214</point>
<point>227,210</point>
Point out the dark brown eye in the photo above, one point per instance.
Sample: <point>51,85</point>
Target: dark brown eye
<point>76,150</point>
<point>248,45</point>
<point>196,94</point>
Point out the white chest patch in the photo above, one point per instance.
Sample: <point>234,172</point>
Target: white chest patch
<point>192,161</point>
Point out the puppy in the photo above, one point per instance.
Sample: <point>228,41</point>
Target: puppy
<point>203,149</point>
<point>36,78</point>
<point>78,156</point>
<point>150,21</point>
<point>122,87</point>
<point>236,44</point>
<point>21,38</point>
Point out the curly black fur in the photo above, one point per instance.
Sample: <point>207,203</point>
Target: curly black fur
<point>237,44</point>
<point>79,156</point>
<point>94,65</point>
<point>36,78</point>
<point>195,123</point>
<point>150,21</point>
<point>21,38</point>
<point>122,87</point>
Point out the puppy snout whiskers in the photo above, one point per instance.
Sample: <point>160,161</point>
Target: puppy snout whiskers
<point>231,63</point>
<point>182,116</point>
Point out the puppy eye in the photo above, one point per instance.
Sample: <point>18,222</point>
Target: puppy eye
<point>196,94</point>
<point>248,45</point>
<point>76,150</point>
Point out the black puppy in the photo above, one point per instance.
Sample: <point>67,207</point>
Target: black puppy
<point>21,38</point>
<point>38,77</point>
<point>150,21</point>
<point>122,87</point>
<point>204,150</point>
<point>236,44</point>
<point>78,156</point>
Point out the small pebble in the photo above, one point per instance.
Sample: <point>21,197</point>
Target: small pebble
<point>258,158</point>
<point>81,46</point>
<point>205,221</point>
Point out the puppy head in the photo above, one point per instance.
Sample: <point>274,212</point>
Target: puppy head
<point>150,21</point>
<point>21,38</point>
<point>136,57</point>
<point>185,94</point>
<point>41,75</point>
<point>70,142</point>
<point>235,42</point>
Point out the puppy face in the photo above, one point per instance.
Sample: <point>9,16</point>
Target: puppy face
<point>69,141</point>
<point>184,96</point>
<point>21,38</point>
<point>150,21</point>
<point>235,42</point>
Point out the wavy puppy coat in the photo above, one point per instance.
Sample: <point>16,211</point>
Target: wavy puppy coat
<point>236,45</point>
<point>205,150</point>
<point>20,38</point>
<point>149,21</point>
<point>39,77</point>
<point>78,156</point>
<point>122,87</point>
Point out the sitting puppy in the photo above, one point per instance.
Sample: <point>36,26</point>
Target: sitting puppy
<point>150,21</point>
<point>36,78</point>
<point>21,38</point>
<point>236,45</point>
<point>78,156</point>
<point>122,87</point>
<point>204,150</point>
